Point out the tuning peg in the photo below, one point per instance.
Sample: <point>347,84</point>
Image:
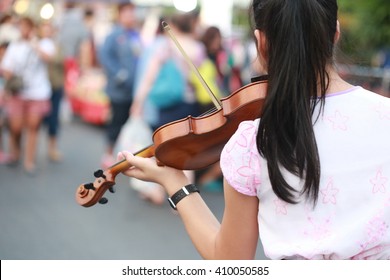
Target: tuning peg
<point>99,174</point>
<point>89,186</point>
<point>103,200</point>
<point>111,189</point>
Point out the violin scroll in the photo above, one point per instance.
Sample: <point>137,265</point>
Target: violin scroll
<point>89,194</point>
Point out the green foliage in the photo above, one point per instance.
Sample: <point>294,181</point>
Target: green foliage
<point>365,26</point>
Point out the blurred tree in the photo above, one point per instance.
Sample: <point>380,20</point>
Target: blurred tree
<point>366,27</point>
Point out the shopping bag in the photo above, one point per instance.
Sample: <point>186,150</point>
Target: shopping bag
<point>134,136</point>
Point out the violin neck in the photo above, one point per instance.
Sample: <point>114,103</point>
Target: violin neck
<point>123,165</point>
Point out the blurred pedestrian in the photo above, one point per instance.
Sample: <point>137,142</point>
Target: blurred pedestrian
<point>165,50</point>
<point>72,31</point>
<point>88,56</point>
<point>219,55</point>
<point>27,107</point>
<point>118,57</point>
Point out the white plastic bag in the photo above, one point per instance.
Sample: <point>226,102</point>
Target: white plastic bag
<point>134,136</point>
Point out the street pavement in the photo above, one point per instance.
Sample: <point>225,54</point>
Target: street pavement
<point>40,219</point>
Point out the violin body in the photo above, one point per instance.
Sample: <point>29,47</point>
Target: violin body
<point>196,142</point>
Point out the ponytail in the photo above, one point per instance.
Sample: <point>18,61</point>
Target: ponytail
<point>300,37</point>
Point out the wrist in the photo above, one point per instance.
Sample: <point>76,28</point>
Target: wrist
<point>181,194</point>
<point>175,183</point>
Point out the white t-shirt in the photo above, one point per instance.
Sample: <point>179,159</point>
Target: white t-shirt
<point>21,59</point>
<point>352,217</point>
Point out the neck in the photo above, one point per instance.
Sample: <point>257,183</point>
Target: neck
<point>336,83</point>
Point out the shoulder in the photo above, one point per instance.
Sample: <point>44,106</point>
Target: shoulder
<point>240,160</point>
<point>243,137</point>
<point>375,96</point>
<point>359,94</point>
<point>364,104</point>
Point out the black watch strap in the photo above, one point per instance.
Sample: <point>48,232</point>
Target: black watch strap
<point>182,193</point>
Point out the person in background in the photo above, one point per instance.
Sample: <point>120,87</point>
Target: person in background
<point>310,177</point>
<point>9,32</point>
<point>72,31</point>
<point>88,59</point>
<point>182,26</point>
<point>26,109</point>
<point>212,39</point>
<point>56,73</point>
<point>118,57</point>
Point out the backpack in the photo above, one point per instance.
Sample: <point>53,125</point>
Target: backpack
<point>209,73</point>
<point>169,86</point>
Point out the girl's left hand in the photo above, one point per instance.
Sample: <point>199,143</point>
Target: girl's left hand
<point>146,169</point>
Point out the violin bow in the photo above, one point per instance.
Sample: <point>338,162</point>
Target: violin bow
<point>214,99</point>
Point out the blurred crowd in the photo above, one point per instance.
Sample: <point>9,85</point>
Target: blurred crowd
<point>135,72</point>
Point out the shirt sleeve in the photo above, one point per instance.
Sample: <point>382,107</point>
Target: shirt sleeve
<point>240,161</point>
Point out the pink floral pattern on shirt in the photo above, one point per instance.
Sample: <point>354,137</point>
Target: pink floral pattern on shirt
<point>318,229</point>
<point>383,112</point>
<point>245,176</point>
<point>376,230</point>
<point>329,193</point>
<point>379,183</point>
<point>280,207</point>
<point>338,121</point>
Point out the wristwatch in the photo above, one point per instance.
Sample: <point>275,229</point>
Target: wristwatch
<point>182,193</point>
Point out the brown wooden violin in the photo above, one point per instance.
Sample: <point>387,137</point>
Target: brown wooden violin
<point>191,143</point>
<point>188,144</point>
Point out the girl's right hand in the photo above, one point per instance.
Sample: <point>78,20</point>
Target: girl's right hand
<point>147,169</point>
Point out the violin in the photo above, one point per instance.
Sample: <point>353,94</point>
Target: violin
<point>191,143</point>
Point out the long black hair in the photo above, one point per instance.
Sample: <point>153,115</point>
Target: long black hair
<point>300,38</point>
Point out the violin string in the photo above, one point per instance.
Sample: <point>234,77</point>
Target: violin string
<point>208,112</point>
